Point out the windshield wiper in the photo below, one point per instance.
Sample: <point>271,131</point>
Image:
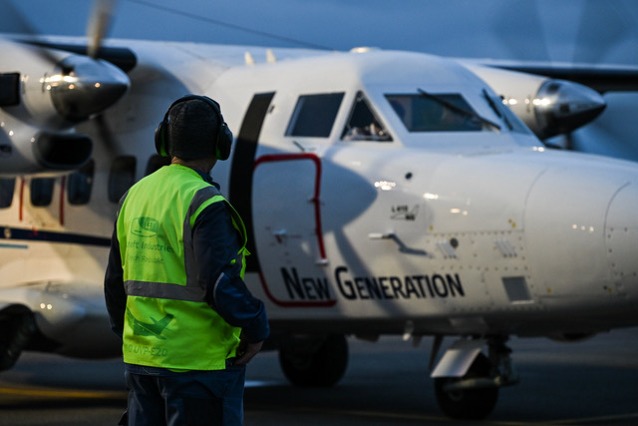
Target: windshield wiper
<point>457,109</point>
<point>496,109</point>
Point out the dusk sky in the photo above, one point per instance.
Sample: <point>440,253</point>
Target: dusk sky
<point>592,31</point>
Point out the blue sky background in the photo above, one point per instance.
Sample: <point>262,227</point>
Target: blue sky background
<point>591,31</point>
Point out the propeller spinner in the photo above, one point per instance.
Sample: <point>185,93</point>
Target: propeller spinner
<point>83,87</point>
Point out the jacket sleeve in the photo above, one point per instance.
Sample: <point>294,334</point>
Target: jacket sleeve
<point>114,293</point>
<point>216,244</point>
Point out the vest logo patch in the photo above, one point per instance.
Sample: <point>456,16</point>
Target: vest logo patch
<point>155,329</point>
<point>144,226</point>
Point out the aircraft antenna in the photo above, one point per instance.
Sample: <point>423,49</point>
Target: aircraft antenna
<point>220,23</point>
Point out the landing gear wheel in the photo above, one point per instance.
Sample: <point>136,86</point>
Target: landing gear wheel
<point>314,361</point>
<point>467,404</point>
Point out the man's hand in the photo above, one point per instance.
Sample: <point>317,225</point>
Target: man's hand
<point>246,351</point>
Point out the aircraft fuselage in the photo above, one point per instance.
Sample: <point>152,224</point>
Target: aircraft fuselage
<point>472,229</point>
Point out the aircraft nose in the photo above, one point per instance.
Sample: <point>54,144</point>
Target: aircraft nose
<point>621,238</point>
<point>581,227</point>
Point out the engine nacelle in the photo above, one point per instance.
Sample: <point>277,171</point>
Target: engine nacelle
<point>41,101</point>
<point>17,327</point>
<point>549,107</point>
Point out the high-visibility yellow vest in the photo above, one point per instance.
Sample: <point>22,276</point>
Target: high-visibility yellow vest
<point>168,323</point>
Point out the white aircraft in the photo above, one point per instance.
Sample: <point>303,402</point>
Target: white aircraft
<point>385,193</point>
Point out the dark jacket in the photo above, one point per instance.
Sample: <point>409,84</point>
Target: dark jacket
<point>214,239</point>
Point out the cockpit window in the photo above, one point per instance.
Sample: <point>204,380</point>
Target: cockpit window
<point>363,124</point>
<point>426,112</point>
<point>512,122</point>
<point>314,115</point>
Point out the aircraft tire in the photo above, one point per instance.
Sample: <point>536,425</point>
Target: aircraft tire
<point>323,366</point>
<point>468,404</point>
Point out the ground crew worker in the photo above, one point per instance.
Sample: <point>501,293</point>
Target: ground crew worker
<point>174,285</point>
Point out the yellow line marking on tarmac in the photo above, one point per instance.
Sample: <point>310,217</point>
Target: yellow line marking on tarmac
<point>61,393</point>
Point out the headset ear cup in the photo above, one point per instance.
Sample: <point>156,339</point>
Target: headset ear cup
<point>160,139</point>
<point>224,141</point>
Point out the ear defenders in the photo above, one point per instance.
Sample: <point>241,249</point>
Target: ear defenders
<point>222,144</point>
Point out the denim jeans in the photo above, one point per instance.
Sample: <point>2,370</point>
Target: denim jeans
<point>161,397</point>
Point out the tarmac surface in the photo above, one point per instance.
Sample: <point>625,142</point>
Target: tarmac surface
<point>594,382</point>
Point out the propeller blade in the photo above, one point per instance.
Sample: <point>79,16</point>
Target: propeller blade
<point>99,25</point>
<point>520,28</point>
<point>20,24</point>
<point>602,28</point>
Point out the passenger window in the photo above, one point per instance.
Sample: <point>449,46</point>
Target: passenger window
<point>314,115</point>
<point>7,188</point>
<point>41,191</point>
<point>121,177</point>
<point>363,124</point>
<point>9,89</point>
<point>80,184</point>
<point>155,163</point>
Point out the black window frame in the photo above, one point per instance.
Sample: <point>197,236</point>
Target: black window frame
<point>7,191</point>
<point>80,184</point>
<point>364,123</point>
<point>41,191</point>
<point>314,115</point>
<point>469,121</point>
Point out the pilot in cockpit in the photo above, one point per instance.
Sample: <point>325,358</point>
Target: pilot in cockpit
<point>363,124</point>
<point>372,132</point>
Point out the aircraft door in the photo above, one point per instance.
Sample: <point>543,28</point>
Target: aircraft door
<point>287,227</point>
<point>277,194</point>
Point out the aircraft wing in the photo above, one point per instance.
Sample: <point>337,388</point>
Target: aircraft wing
<point>557,99</point>
<point>602,78</point>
